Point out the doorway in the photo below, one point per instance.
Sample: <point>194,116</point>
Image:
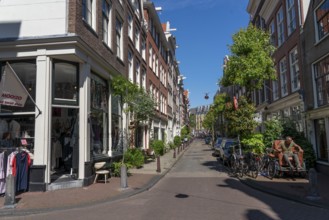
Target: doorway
<point>64,154</point>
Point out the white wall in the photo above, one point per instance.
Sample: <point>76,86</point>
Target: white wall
<point>32,18</point>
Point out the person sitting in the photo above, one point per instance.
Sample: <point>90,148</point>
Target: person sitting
<point>7,141</point>
<point>290,149</point>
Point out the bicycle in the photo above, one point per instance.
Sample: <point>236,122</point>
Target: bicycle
<point>268,164</point>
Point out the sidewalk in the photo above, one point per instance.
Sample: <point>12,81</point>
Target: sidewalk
<point>296,189</point>
<point>139,181</point>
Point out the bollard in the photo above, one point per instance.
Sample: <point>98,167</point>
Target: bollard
<point>10,192</point>
<point>123,177</point>
<point>158,165</point>
<point>313,185</point>
<point>174,156</point>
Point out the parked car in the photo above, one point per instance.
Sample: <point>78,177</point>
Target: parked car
<point>225,149</point>
<point>207,140</point>
<point>217,145</point>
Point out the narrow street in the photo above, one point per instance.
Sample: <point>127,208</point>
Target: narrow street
<point>197,187</point>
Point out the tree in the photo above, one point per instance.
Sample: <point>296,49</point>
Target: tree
<point>219,108</point>
<point>138,102</point>
<point>250,63</point>
<point>241,120</point>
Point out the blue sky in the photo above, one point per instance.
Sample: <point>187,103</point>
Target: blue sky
<point>204,31</point>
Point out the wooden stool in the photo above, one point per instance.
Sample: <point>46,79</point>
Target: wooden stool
<point>98,166</point>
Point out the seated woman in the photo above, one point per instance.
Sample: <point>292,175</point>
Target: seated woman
<point>7,140</point>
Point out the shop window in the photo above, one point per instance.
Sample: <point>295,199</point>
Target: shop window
<point>65,83</point>
<point>99,117</point>
<point>26,72</point>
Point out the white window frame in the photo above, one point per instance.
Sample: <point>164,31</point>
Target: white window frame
<point>283,76</point>
<point>130,26</point>
<point>280,26</point>
<point>137,39</point>
<point>89,13</point>
<point>137,72</point>
<point>143,78</point>
<point>143,48</point>
<point>119,38</point>
<point>107,22</point>
<point>294,69</point>
<point>291,16</point>
<point>271,30</point>
<point>130,66</point>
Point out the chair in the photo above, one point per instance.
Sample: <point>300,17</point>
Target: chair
<point>98,171</point>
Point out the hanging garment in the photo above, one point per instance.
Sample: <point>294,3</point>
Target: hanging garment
<point>22,162</point>
<point>2,173</point>
<point>10,162</point>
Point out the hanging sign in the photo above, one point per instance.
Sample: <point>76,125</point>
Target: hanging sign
<point>12,91</point>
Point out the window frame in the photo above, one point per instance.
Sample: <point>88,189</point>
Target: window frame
<point>294,69</point>
<point>280,26</point>
<point>107,22</point>
<point>283,76</point>
<point>291,16</point>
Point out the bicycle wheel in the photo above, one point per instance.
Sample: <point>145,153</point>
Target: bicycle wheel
<point>253,169</point>
<point>272,169</point>
<point>233,164</point>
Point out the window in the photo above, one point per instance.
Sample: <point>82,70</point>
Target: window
<point>106,11</point>
<point>272,33</point>
<point>137,36</point>
<point>65,82</point>
<point>89,12</point>
<point>294,70</point>
<point>26,72</point>
<point>118,31</point>
<point>321,76</point>
<point>137,72</point>
<point>143,75</point>
<point>275,88</point>
<point>150,57</point>
<point>283,76</point>
<point>130,66</point>
<point>143,48</point>
<point>98,116</point>
<point>130,26</point>
<point>291,16</point>
<point>322,19</point>
<point>280,26</point>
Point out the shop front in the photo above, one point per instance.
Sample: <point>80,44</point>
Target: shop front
<point>73,128</point>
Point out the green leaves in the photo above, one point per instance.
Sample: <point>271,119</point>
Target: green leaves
<point>138,101</point>
<point>251,59</point>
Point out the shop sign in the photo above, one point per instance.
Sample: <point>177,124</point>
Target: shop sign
<point>12,91</point>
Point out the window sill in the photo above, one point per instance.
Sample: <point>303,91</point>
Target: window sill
<point>90,28</point>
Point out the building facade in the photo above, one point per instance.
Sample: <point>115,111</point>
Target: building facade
<point>66,53</point>
<point>315,39</point>
<point>283,20</point>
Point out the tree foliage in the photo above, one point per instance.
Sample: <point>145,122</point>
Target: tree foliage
<point>273,131</point>
<point>250,62</point>
<point>241,120</point>
<point>138,101</point>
